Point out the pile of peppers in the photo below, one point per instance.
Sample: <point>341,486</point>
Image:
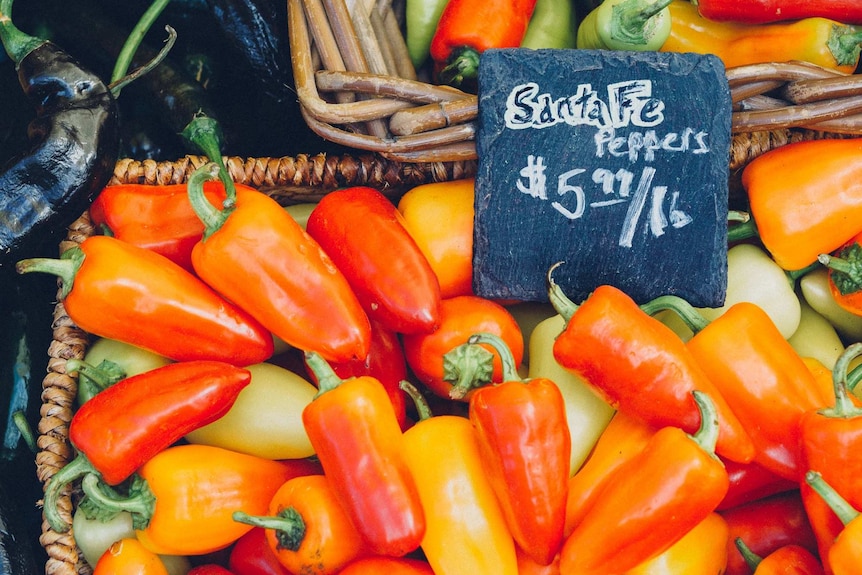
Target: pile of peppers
<point>316,413</point>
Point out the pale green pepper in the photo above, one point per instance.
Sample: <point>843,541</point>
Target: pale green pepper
<point>635,25</point>
<point>815,289</point>
<point>586,412</point>
<point>816,337</point>
<point>552,25</point>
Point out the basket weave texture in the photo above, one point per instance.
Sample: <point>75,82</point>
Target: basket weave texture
<point>289,180</point>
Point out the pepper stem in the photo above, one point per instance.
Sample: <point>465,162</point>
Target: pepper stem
<point>629,22</point>
<point>212,217</point>
<point>16,43</point>
<point>461,65</point>
<point>423,410</point>
<point>66,268</point>
<point>75,469</point>
<point>844,406</point>
<point>121,66</point>
<point>326,377</point>
<point>687,312</point>
<point>561,303</point>
<point>467,366</point>
<point>510,370</point>
<point>140,502</point>
<point>707,434</point>
<point>751,558</point>
<point>840,506</point>
<point>289,526</point>
<point>846,266</point>
<point>742,231</point>
<point>206,133</point>
<point>94,378</point>
<point>844,43</point>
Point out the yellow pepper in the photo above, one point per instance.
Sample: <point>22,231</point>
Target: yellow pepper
<point>702,550</point>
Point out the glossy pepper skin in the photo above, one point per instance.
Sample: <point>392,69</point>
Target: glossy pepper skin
<point>791,195</point>
<point>251,555</point>
<point>750,482</point>
<point>821,41</point>
<point>258,257</point>
<point>702,550</point>
<point>635,25</point>
<point>763,379</point>
<point>787,560</point>
<point>129,557</point>
<point>763,11</point>
<point>356,436</point>
<point>387,270</point>
<point>640,365</point>
<point>159,218</point>
<point>843,272</point>
<point>651,501</point>
<point>75,143</point>
<point>525,444</point>
<point>469,27</point>
<point>124,426</point>
<point>845,554</point>
<point>116,290</point>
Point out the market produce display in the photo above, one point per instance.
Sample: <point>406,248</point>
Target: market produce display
<point>240,385</point>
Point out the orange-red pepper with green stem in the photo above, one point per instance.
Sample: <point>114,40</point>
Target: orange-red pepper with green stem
<point>845,274</point>
<point>845,554</point>
<point>651,501</point>
<point>467,28</point>
<point>257,256</point>
<point>640,365</point>
<point>119,291</point>
<point>357,438</point>
<point>786,560</point>
<point>525,444</point>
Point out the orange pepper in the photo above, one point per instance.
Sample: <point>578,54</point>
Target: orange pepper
<point>307,528</point>
<point>439,216</point>
<point>789,559</point>
<point>377,565</point>
<point>129,557</point>
<point>738,44</point>
<point>793,200</point>
<point>845,555</point>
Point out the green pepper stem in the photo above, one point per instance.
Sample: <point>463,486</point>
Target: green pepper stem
<point>844,44</point>
<point>844,406</point>
<point>326,377</point>
<point>66,267</point>
<point>751,558</point>
<point>124,60</point>
<point>742,231</point>
<point>707,434</point>
<point>461,65</point>
<point>206,133</point>
<point>560,302</point>
<point>140,502</point>
<point>630,17</point>
<point>840,506</point>
<point>75,469</point>
<point>16,43</point>
<point>687,312</point>
<point>467,366</point>
<point>510,370</point>
<point>19,418</point>
<point>93,379</point>
<point>117,85</point>
<point>212,217</point>
<point>423,409</point>
<point>289,526</point>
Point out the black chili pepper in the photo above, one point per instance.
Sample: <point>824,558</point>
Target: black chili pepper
<point>74,142</point>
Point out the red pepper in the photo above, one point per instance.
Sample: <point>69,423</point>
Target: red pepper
<point>765,382</point>
<point>386,363</point>
<point>251,555</point>
<point>467,28</point>
<point>525,444</point>
<point>356,436</point>
<point>766,525</point>
<point>640,366</point>
<point>119,291</point>
<point>831,440</point>
<point>750,482</point>
<point>377,565</point>
<point>209,569</point>
<point>159,218</point>
<point>762,11</point>
<point>651,501</point>
<point>257,256</point>
<point>364,234</point>
<point>787,560</point>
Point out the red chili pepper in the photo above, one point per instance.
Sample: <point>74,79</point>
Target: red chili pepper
<point>251,555</point>
<point>767,525</point>
<point>640,365</point>
<point>651,501</point>
<point>257,256</point>
<point>750,482</point>
<point>787,560</point>
<point>763,379</point>
<point>467,28</point>
<point>762,11</point>
<point>356,436</point>
<point>525,444</point>
<point>364,234</point>
<point>159,218</point>
<point>386,363</point>
<point>119,291</point>
<point>125,425</point>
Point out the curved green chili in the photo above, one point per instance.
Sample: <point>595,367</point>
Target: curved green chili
<point>421,17</point>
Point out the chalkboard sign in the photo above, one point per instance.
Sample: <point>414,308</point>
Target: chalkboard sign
<point>614,162</point>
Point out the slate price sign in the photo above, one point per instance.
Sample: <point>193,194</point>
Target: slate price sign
<point>615,163</point>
